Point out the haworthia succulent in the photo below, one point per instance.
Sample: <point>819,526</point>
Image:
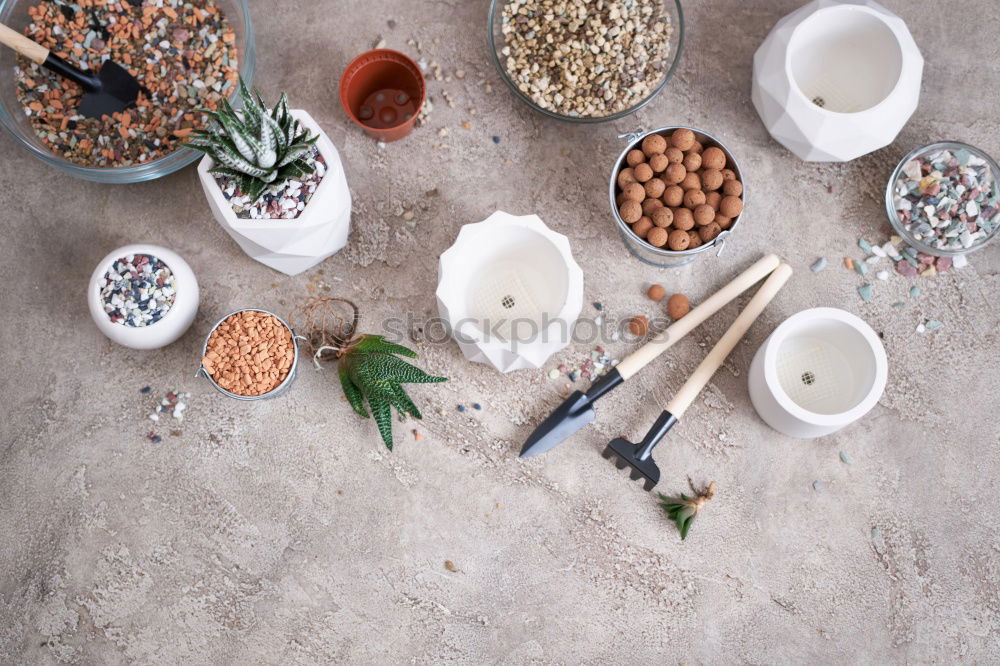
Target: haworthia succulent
<point>257,146</point>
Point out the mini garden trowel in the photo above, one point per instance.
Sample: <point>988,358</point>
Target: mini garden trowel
<point>640,456</point>
<point>578,409</point>
<point>112,90</point>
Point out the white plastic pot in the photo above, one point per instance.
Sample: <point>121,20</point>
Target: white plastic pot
<point>510,291</point>
<point>173,324</point>
<point>835,80</point>
<point>291,246</point>
<point>819,371</point>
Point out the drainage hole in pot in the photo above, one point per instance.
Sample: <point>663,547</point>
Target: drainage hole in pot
<point>507,302</point>
<point>808,378</point>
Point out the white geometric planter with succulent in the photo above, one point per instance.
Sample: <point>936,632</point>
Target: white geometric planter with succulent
<point>837,79</point>
<point>323,222</point>
<point>510,291</point>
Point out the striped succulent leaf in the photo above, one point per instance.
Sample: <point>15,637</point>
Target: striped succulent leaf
<point>371,372</point>
<point>257,146</point>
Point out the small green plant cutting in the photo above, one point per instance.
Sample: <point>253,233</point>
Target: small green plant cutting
<point>258,147</point>
<point>370,368</point>
<point>683,510</point>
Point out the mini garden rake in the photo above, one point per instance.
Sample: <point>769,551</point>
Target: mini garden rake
<point>640,456</point>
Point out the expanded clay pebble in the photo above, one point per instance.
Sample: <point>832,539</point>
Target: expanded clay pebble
<point>183,53</point>
<point>678,240</point>
<point>657,236</point>
<point>656,292</point>
<point>634,192</point>
<point>678,305</point>
<point>250,353</point>
<point>138,290</point>
<point>683,218</point>
<point>682,139</point>
<point>630,211</point>
<point>643,227</point>
<point>639,325</point>
<point>650,206</point>
<point>709,232</point>
<point>653,144</point>
<point>663,217</point>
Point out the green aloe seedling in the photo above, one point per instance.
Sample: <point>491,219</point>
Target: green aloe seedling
<point>683,510</point>
<point>371,372</point>
<point>257,146</point>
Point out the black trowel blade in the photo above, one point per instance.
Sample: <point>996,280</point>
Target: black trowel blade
<point>574,413</point>
<point>119,91</point>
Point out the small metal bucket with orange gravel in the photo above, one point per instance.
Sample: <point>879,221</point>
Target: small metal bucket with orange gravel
<point>277,390</point>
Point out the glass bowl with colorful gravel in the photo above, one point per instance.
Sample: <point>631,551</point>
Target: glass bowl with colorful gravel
<point>186,54</point>
<point>943,199</point>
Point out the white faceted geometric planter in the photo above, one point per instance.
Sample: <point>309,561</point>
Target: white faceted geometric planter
<point>291,246</point>
<point>835,80</point>
<point>510,291</point>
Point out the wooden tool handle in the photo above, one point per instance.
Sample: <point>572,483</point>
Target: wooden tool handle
<point>26,47</point>
<point>703,373</point>
<point>638,359</point>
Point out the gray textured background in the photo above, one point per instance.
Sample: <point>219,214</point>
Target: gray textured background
<point>283,532</point>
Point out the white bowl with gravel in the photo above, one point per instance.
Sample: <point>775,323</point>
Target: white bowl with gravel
<point>140,307</point>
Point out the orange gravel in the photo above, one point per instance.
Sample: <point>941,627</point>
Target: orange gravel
<point>249,353</point>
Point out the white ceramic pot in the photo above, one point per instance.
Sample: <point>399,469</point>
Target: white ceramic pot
<point>291,246</point>
<point>510,291</point>
<point>173,324</point>
<point>819,371</point>
<point>835,80</point>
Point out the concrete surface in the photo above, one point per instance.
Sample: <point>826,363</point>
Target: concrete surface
<point>283,532</point>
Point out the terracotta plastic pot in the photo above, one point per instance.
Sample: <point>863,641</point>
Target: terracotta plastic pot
<point>383,91</point>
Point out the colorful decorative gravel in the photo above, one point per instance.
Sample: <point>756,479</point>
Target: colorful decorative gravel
<point>948,199</point>
<point>182,51</point>
<point>138,290</point>
<point>284,201</point>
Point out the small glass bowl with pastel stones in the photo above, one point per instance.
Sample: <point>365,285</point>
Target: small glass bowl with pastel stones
<point>944,199</point>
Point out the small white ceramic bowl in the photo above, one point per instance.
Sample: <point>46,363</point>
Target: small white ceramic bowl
<point>819,371</point>
<point>172,325</point>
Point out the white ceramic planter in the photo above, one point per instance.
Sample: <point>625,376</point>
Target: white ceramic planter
<point>173,324</point>
<point>291,246</point>
<point>835,80</point>
<point>510,291</point>
<point>819,371</point>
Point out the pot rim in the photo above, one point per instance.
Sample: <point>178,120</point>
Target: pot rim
<point>682,256</point>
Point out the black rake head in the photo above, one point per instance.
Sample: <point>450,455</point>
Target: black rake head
<point>626,454</point>
<point>640,456</point>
